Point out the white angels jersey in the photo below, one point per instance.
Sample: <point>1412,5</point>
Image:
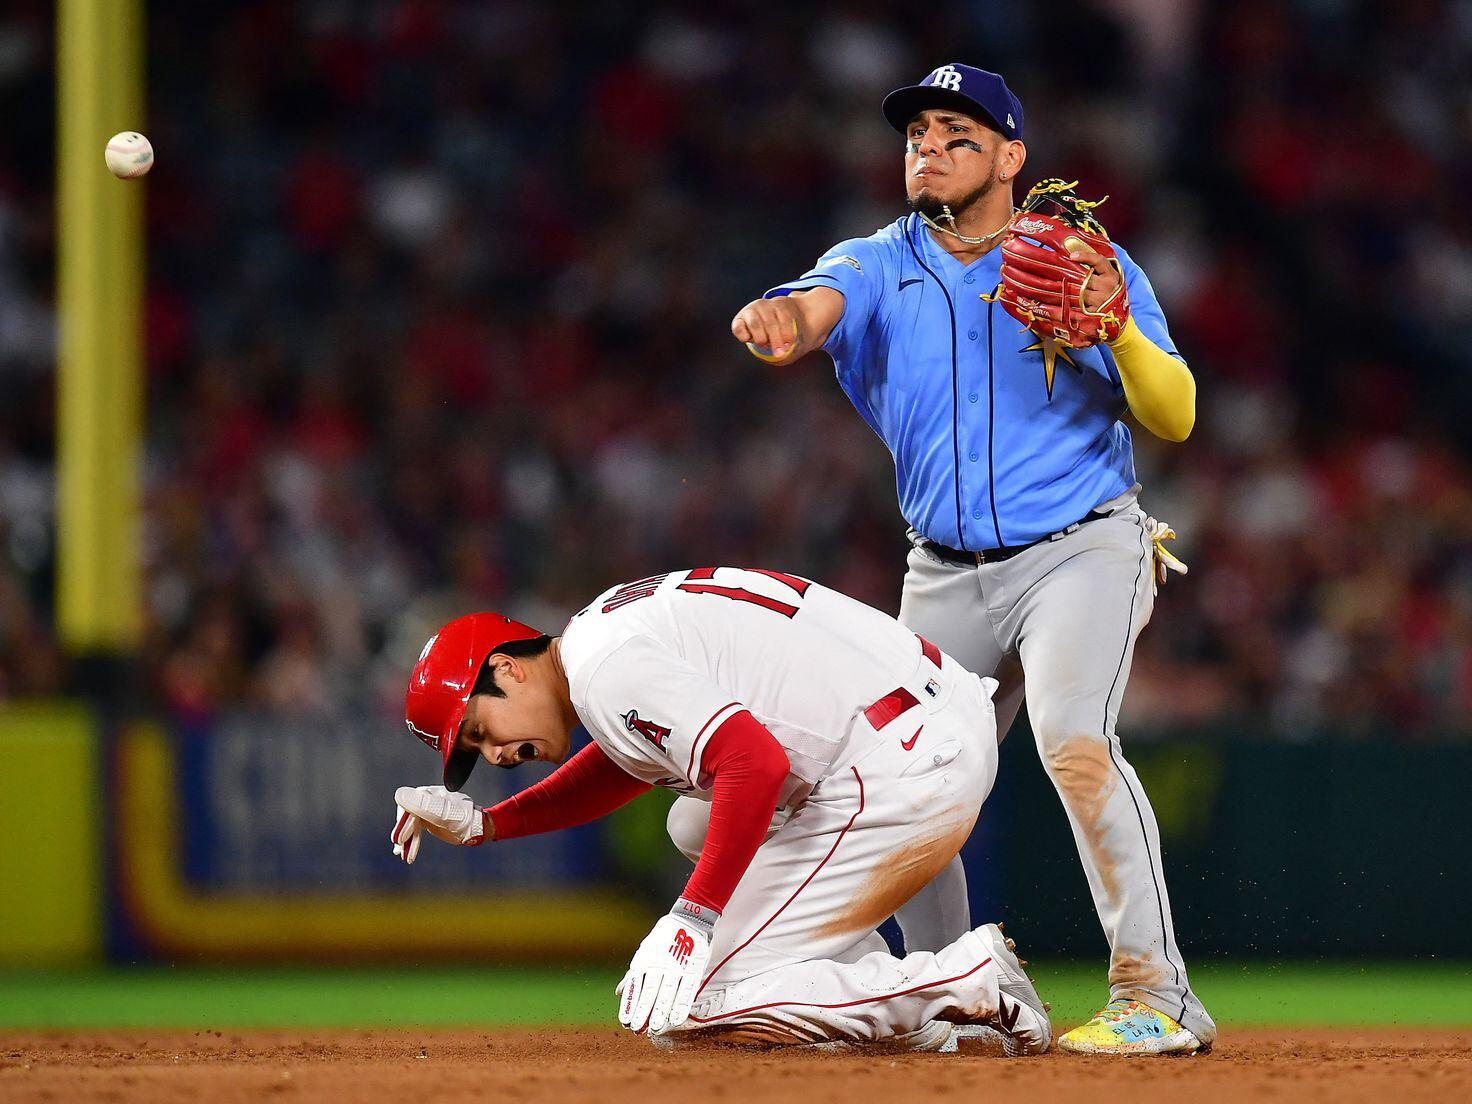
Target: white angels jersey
<point>656,666</point>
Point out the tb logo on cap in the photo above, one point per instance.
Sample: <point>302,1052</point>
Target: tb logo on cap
<point>946,77</point>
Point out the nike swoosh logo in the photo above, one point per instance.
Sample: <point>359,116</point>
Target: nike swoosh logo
<point>1007,1016</point>
<point>910,743</point>
<point>906,283</point>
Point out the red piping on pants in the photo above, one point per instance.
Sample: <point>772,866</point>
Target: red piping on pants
<point>844,1004</point>
<point>795,892</point>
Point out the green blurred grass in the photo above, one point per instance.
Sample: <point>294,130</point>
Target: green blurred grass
<point>1330,994</point>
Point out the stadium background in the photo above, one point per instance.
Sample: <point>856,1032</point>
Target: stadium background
<point>436,318</point>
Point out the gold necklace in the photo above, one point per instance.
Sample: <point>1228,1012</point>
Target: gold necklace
<point>945,214</point>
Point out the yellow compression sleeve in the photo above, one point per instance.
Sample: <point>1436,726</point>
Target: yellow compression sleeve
<point>1159,387</point>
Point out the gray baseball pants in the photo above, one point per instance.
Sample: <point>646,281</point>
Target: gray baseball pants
<point>1057,624</point>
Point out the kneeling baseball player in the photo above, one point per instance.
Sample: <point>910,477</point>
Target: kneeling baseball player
<point>750,692</point>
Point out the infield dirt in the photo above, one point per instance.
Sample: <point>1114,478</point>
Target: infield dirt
<point>608,1066</point>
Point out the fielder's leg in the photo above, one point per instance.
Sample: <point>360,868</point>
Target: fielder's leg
<point>942,602</point>
<point>1076,624</point>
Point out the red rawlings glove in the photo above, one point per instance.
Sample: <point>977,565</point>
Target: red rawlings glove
<point>1042,286</point>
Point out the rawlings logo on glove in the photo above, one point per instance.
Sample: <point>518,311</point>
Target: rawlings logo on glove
<point>1076,302</point>
<point>1028,224</point>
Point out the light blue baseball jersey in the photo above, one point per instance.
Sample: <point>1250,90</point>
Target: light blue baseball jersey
<point>998,438</point>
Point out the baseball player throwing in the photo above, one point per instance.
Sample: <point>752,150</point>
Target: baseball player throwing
<point>842,763</point>
<point>1031,560</point>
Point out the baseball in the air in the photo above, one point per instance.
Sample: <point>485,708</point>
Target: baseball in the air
<point>129,154</point>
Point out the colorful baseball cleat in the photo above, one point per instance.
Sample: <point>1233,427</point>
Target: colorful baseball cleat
<point>1128,1027</point>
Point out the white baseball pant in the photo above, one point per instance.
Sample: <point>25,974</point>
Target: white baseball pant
<point>795,957</point>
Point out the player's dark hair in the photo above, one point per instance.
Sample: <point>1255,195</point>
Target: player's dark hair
<point>485,682</point>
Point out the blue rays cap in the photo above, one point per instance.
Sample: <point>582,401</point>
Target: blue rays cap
<point>963,88</point>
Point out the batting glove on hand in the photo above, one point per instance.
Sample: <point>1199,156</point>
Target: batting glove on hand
<point>452,817</point>
<point>666,971</point>
<point>1165,560</point>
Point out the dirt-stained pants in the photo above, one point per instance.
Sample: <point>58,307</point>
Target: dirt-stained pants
<point>794,958</point>
<point>1057,623</point>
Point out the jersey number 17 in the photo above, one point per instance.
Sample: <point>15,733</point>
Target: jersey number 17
<point>698,581</point>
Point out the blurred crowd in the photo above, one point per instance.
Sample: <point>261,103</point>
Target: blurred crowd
<point>438,318</point>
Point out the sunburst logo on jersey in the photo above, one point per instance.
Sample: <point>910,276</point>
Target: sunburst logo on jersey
<point>1052,349</point>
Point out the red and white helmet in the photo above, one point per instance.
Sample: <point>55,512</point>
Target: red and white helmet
<point>442,680</point>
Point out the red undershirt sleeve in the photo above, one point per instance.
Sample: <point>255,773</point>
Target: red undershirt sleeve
<point>747,766</point>
<point>586,787</point>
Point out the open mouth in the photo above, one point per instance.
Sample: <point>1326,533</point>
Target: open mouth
<point>525,753</point>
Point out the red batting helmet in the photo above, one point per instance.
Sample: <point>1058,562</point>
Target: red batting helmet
<point>442,680</point>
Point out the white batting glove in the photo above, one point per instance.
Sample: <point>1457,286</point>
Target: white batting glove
<point>452,817</point>
<point>1165,561</point>
<point>660,985</point>
<point>406,835</point>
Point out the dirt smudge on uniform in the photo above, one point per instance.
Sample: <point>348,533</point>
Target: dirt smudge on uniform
<point>1085,777</point>
<point>1135,971</point>
<point>748,1035</point>
<point>898,878</point>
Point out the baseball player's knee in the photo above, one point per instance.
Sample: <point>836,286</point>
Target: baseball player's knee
<point>1056,725</point>
<point>1079,765</point>
<point>687,822</point>
<point>689,819</point>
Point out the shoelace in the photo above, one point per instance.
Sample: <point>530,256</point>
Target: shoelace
<point>1117,1010</point>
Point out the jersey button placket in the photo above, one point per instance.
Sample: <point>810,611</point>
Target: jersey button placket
<point>973,456</point>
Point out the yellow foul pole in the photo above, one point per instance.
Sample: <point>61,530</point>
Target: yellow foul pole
<point>99,66</point>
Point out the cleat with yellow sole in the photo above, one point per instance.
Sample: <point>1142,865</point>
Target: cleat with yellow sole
<point>1127,1027</point>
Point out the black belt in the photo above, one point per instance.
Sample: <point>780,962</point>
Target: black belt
<point>1006,552</point>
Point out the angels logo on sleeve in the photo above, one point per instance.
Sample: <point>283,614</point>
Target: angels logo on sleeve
<point>656,734</point>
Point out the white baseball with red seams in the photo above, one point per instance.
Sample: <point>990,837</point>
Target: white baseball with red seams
<point>892,749</point>
<point>128,155</point>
